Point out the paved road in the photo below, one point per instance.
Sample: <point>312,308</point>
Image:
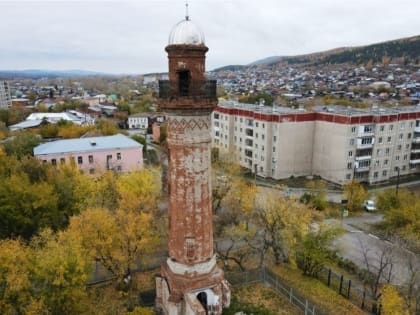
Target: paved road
<point>357,240</point>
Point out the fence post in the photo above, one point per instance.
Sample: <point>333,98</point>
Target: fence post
<point>291,294</point>
<point>363,300</point>
<point>341,284</point>
<point>348,289</point>
<point>329,276</point>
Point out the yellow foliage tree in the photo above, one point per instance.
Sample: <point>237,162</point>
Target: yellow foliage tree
<point>285,223</point>
<point>118,240</point>
<point>392,302</point>
<point>356,194</point>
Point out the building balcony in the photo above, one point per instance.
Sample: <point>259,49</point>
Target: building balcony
<point>362,133</point>
<point>202,89</point>
<point>417,129</point>
<point>416,139</point>
<point>363,157</point>
<point>362,169</point>
<point>361,145</point>
<point>415,162</point>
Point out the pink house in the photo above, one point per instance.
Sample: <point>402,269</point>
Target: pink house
<point>92,155</point>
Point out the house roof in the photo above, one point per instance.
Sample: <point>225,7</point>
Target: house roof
<point>26,124</point>
<point>92,144</point>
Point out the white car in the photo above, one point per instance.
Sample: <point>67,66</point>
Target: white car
<point>369,205</point>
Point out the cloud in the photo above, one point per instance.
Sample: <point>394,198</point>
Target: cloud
<point>130,36</point>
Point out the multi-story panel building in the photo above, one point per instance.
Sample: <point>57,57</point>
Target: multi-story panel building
<point>334,142</point>
<point>96,154</point>
<point>5,98</point>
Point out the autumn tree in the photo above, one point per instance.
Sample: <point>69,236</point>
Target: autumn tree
<point>391,301</point>
<point>21,144</point>
<point>355,194</point>
<point>314,250</point>
<point>284,223</point>
<point>117,240</point>
<point>316,195</point>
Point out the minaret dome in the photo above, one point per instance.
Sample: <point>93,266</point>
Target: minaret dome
<point>186,33</point>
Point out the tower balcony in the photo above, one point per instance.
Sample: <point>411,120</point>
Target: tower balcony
<point>174,89</point>
<point>196,95</point>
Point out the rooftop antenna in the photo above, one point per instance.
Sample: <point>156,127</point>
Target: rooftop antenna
<point>187,17</point>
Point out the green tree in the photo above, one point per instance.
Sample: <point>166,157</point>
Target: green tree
<point>314,251</point>
<point>21,144</point>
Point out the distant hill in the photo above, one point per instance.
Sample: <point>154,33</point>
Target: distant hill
<point>37,73</point>
<point>230,68</point>
<point>268,60</point>
<point>406,50</point>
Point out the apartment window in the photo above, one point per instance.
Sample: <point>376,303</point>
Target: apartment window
<point>367,140</point>
<point>411,124</point>
<point>263,125</point>
<point>407,146</point>
<point>108,157</point>
<point>240,119</point>
<point>377,163</point>
<point>382,128</point>
<point>274,149</point>
<point>384,173</point>
<point>385,162</point>
<point>261,169</point>
<point>375,175</point>
<point>262,158</point>
<point>240,129</point>
<point>368,129</point>
<point>349,165</point>
<point>397,158</point>
<point>378,152</point>
<point>403,168</point>
<point>263,136</point>
<point>256,146</point>
<point>396,169</point>
<point>401,136</point>
<point>405,157</point>
<point>62,160</point>
<point>348,176</point>
<point>92,171</point>
<point>240,139</point>
<point>399,147</point>
<point>256,135</point>
<point>262,148</point>
<point>119,154</point>
<point>53,161</point>
<point>90,159</point>
<point>119,168</point>
<point>353,129</point>
<point>402,125</point>
<point>389,139</point>
<point>350,153</point>
<point>351,141</point>
<point>391,127</point>
<point>274,138</point>
<point>380,140</point>
<point>408,135</point>
<point>387,151</point>
<point>80,160</point>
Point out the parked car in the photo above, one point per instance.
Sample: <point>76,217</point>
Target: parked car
<point>369,205</point>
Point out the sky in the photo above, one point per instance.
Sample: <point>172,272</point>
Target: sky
<point>129,37</point>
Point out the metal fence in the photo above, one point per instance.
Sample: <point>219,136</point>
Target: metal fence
<point>345,287</point>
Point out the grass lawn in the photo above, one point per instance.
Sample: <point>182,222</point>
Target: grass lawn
<point>314,290</point>
<point>259,299</point>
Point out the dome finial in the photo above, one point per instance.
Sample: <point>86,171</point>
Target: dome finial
<point>187,17</point>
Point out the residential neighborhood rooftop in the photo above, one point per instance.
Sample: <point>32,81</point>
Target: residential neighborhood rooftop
<point>118,141</point>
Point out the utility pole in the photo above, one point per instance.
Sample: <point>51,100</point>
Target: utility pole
<point>398,181</point>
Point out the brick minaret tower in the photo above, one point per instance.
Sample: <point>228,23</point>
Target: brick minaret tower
<point>190,281</point>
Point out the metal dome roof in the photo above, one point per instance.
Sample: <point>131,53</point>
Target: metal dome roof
<point>186,33</point>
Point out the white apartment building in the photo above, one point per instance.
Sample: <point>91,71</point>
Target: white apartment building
<point>5,98</point>
<point>138,121</point>
<point>334,142</point>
